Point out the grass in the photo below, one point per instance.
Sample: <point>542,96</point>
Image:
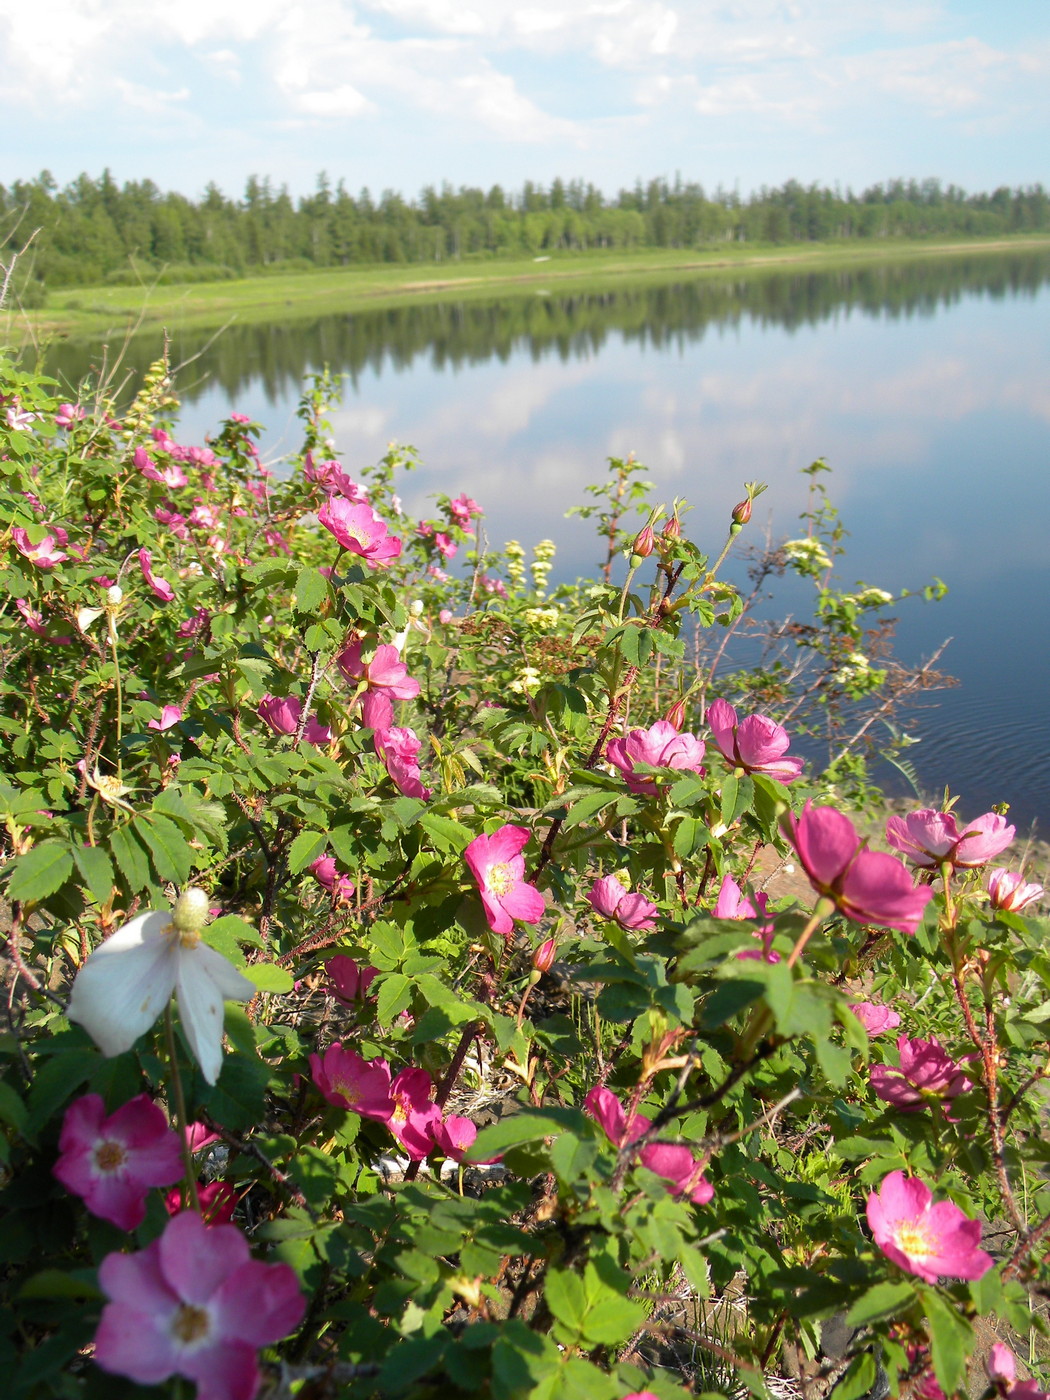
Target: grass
<point>98,312</point>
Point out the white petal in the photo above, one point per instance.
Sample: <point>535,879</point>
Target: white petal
<point>203,978</point>
<point>126,983</point>
<point>232,984</point>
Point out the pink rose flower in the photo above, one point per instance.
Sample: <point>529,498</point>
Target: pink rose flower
<point>358,529</point>
<point>926,1072</point>
<point>199,1136</point>
<point>34,620</point>
<point>218,1201</point>
<point>462,509</point>
<point>112,1163</point>
<point>498,866</point>
<point>445,544</point>
<point>675,1163</point>
<point>68,414</point>
<point>455,1136</point>
<point>347,982</point>
<point>169,716</point>
<point>326,873</point>
<point>194,1303</point>
<point>1009,891</point>
<point>756,744</point>
<point>930,838</point>
<point>931,1240</point>
<point>661,746</point>
<point>733,903</point>
<point>385,672</point>
<point>630,910</point>
<point>194,625</point>
<point>415,1116</point>
<point>161,589</point>
<point>869,887</point>
<point>45,555</point>
<point>874,1018</point>
<point>282,714</point>
<point>399,750</point>
<point>1001,1365</point>
<point>348,1081</point>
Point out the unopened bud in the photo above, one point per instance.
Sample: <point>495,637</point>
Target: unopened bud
<point>114,596</point>
<point>191,910</point>
<point>415,608</point>
<point>676,714</point>
<point>742,512</point>
<point>672,528</point>
<point>543,957</point>
<point>644,542</point>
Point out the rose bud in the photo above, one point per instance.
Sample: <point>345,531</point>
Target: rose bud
<point>643,544</point>
<point>676,714</point>
<point>543,957</point>
<point>742,512</point>
<point>672,528</point>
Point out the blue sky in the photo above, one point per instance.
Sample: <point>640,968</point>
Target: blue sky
<point>403,93</point>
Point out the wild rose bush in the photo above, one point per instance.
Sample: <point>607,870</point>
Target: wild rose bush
<point>392,1006</point>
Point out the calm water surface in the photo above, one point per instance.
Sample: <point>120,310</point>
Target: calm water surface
<point>926,387</point>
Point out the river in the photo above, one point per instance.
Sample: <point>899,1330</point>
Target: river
<point>925,386</point>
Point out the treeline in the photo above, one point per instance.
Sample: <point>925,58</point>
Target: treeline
<point>96,230</point>
<point>679,311</point>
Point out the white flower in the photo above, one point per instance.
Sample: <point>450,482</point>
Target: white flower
<point>126,983</point>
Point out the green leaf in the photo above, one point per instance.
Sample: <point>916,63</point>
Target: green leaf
<point>859,1378</point>
<point>97,869</point>
<point>447,834</point>
<point>40,872</point>
<point>305,849</point>
<point>393,997</point>
<point>12,1109</point>
<point>311,589</point>
<point>566,1299</point>
<point>884,1300</point>
<point>130,856</point>
<point>268,977</point>
<point>951,1338</point>
<point>725,1001</point>
<point>169,849</point>
<point>529,1125</point>
<point>53,1283</point>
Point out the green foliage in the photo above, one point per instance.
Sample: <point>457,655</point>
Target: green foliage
<point>681,1100</point>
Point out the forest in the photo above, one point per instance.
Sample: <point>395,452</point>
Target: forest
<point>95,230</point>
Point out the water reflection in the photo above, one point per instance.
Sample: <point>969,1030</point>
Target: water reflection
<point>923,385</point>
<point>664,317</point>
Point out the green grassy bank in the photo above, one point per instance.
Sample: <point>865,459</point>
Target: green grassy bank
<point>100,312</point>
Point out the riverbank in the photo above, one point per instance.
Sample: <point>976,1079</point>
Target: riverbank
<point>108,311</point>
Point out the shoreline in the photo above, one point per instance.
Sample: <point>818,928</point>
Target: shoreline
<point>98,312</point>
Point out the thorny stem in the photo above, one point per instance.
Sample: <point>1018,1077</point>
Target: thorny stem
<point>317,670</point>
<point>181,1120</point>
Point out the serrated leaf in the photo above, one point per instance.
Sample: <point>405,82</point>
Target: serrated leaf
<point>40,872</point>
<point>97,869</point>
<point>393,997</point>
<point>311,589</point>
<point>131,858</point>
<point>168,848</point>
<point>305,849</point>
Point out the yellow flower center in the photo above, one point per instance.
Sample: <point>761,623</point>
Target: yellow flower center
<point>190,1324</point>
<point>347,1090</point>
<point>914,1239</point>
<point>400,1113</point>
<point>110,1156</point>
<point>500,880</point>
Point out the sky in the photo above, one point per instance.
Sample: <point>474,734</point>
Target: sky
<point>400,94</point>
